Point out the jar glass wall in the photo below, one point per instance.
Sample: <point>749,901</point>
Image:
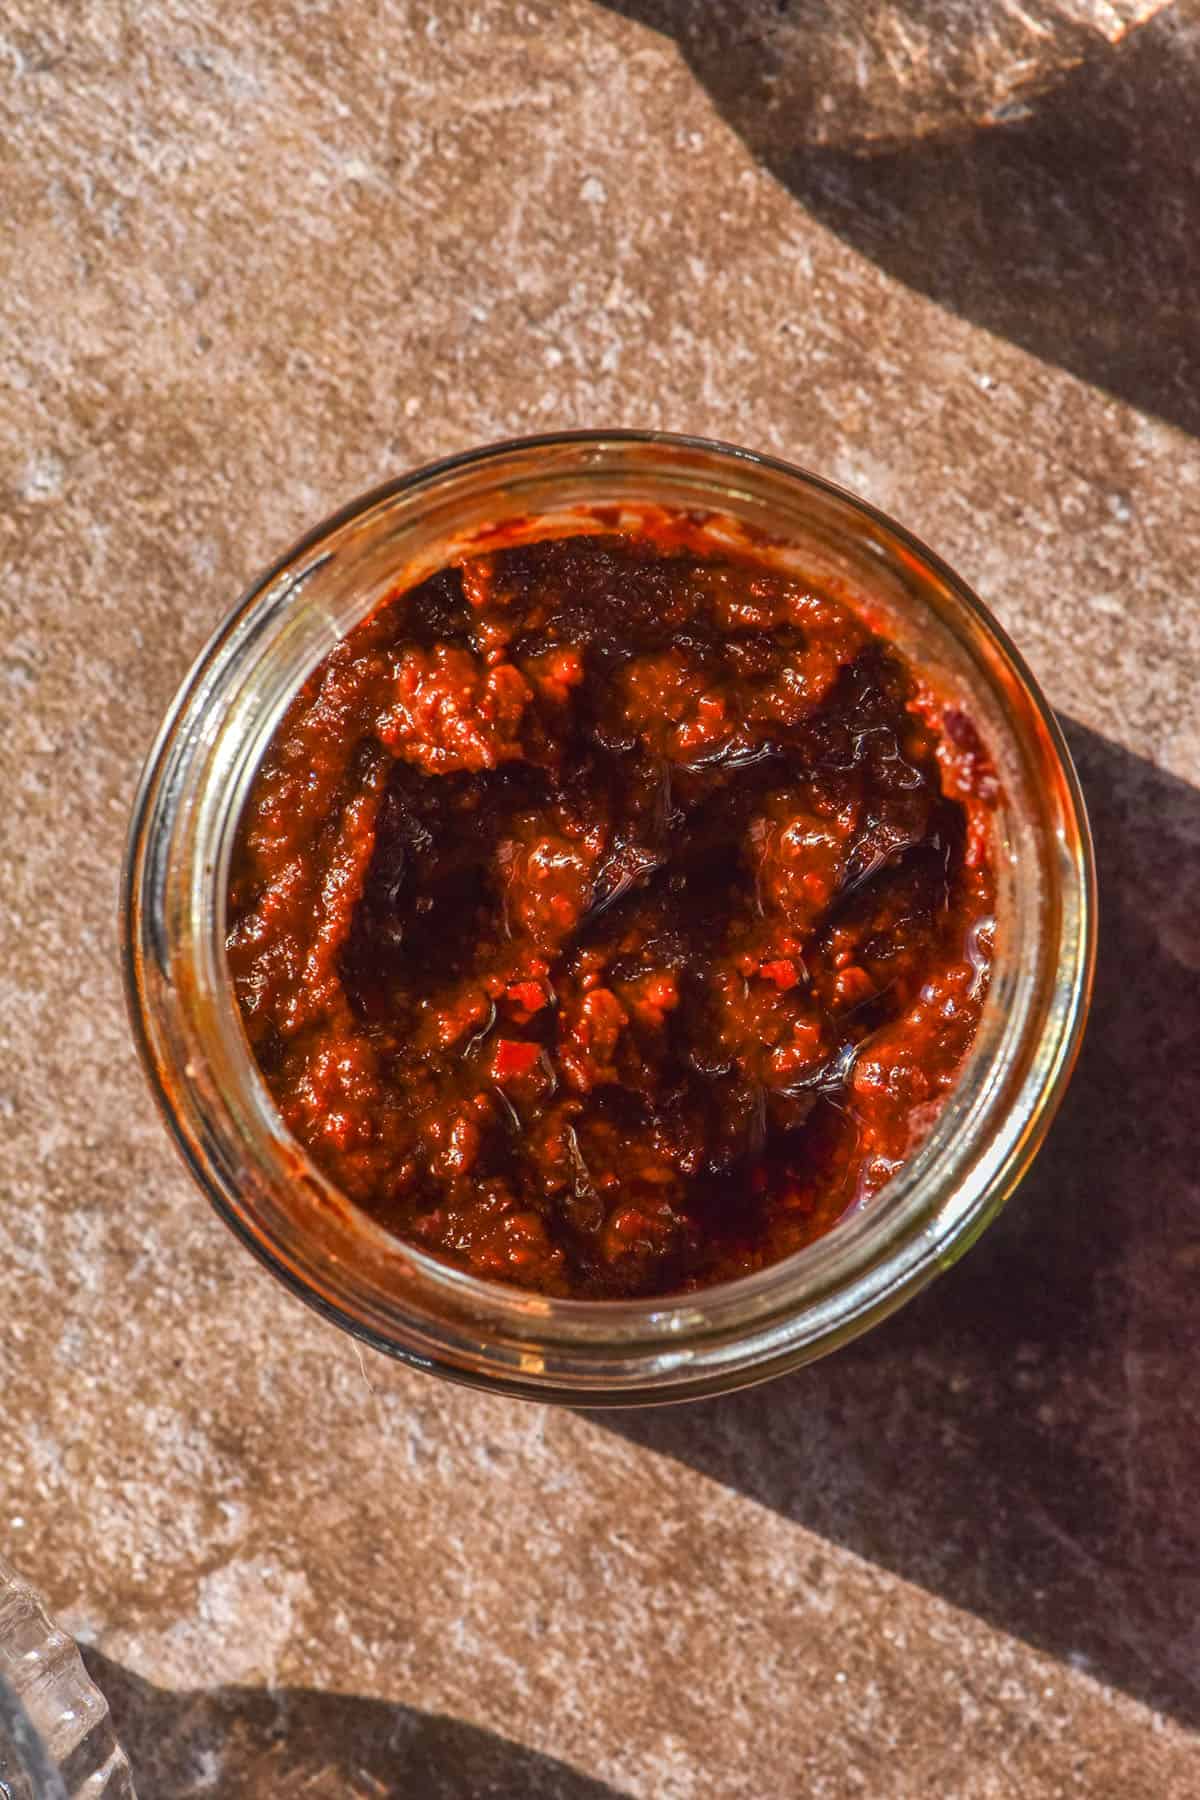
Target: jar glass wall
<point>217,1105</point>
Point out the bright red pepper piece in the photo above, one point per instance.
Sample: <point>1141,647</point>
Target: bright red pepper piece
<point>514,1058</point>
<point>782,972</point>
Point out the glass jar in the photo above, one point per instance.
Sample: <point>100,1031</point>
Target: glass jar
<point>56,1733</point>
<point>288,1212</point>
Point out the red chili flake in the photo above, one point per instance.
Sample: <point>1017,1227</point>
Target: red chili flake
<point>528,994</point>
<point>782,972</point>
<point>513,1058</point>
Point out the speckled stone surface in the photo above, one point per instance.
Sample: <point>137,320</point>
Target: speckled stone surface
<point>254,260</point>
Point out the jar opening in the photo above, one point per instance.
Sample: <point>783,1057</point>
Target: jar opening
<point>399,1297</point>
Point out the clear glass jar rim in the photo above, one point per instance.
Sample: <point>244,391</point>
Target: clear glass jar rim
<point>921,1232</point>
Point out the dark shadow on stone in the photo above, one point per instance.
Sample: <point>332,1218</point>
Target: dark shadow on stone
<point>1024,1439</point>
<point>1070,230</point>
<point>273,1743</point>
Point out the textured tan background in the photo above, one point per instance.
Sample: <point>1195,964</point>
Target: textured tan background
<point>256,258</point>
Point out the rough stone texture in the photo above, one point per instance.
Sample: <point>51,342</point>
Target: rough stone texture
<point>256,258</point>
<point>883,73</point>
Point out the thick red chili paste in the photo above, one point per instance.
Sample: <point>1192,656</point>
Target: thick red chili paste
<point>611,918</point>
